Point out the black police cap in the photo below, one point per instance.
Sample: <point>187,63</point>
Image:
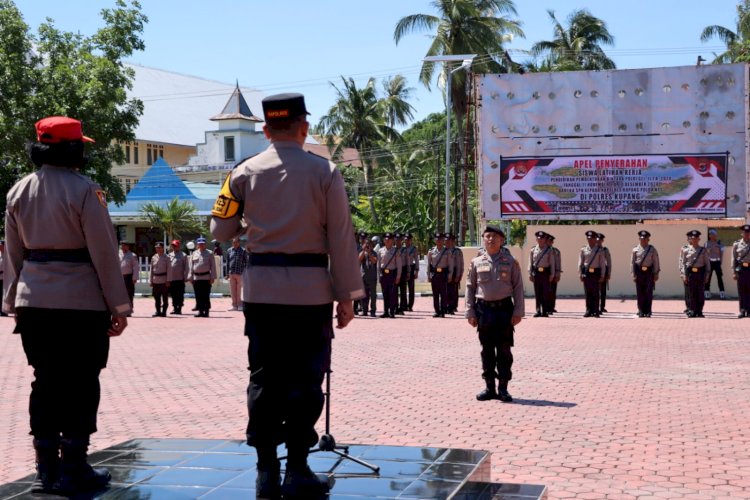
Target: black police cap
<point>284,106</point>
<point>387,235</point>
<point>158,244</point>
<point>540,234</point>
<point>746,228</point>
<point>599,236</point>
<point>694,233</point>
<point>363,234</point>
<point>493,229</point>
<point>591,234</point>
<point>644,234</point>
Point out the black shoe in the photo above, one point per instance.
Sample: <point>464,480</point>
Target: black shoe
<point>640,314</point>
<point>76,475</point>
<point>647,315</point>
<point>268,484</point>
<point>302,484</point>
<point>385,315</point>
<point>602,310</point>
<point>157,314</point>
<point>587,314</point>
<point>373,314</point>
<point>698,315</point>
<point>554,310</point>
<point>544,315</point>
<point>690,314</point>
<point>3,314</point>
<point>741,315</point>
<point>487,395</point>
<point>537,315</point>
<point>199,315</point>
<point>47,465</point>
<point>400,311</point>
<point>409,309</point>
<point>504,396</point>
<point>436,315</point>
<point>173,311</point>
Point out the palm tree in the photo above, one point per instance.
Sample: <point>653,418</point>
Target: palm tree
<point>577,47</point>
<point>395,106</point>
<point>175,218</point>
<point>737,43</point>
<point>358,120</point>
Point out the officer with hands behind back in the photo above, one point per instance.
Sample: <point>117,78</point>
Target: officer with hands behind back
<point>495,305</point>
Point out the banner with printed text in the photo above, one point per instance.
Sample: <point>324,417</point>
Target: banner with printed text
<point>690,184</point>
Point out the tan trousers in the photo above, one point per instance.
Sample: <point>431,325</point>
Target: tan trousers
<point>235,289</point>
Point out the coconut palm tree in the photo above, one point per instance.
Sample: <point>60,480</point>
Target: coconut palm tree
<point>579,46</point>
<point>175,218</point>
<point>395,103</point>
<point>737,42</point>
<point>358,120</point>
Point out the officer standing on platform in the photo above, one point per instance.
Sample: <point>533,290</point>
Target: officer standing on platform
<point>715,251</point>
<point>177,275</point>
<point>440,267</point>
<point>63,281</point>
<point>542,272</point>
<point>607,273</point>
<point>202,273</point>
<point>694,265</point>
<point>741,267</point>
<point>368,265</point>
<point>591,264</point>
<point>302,260</point>
<point>412,263</point>
<point>558,273</point>
<point>158,280</point>
<point>645,269</point>
<point>129,268</point>
<point>389,270</point>
<point>495,305</point>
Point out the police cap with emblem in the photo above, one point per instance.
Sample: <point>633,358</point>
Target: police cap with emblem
<point>550,237</point>
<point>493,229</point>
<point>363,234</point>
<point>450,236</point>
<point>438,236</point>
<point>387,236</point>
<point>644,234</point>
<point>398,236</point>
<point>284,107</point>
<point>408,236</point>
<point>694,233</point>
<point>540,234</point>
<point>599,236</point>
<point>158,244</point>
<point>591,234</point>
<point>746,228</point>
<point>201,240</point>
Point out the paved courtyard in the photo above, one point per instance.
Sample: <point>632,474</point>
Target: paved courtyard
<point>616,407</point>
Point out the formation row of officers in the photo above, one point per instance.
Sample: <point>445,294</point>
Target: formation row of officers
<point>395,264</point>
<point>595,269</point>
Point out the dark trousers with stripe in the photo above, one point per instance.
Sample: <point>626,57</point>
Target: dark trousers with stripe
<point>202,290</point>
<point>644,289</point>
<point>603,294</point>
<point>439,285</point>
<point>591,289</point>
<point>410,286</point>
<point>696,283</point>
<point>129,286</point>
<point>542,291</point>
<point>496,337</point>
<point>403,285</point>
<point>452,295</point>
<point>390,293</point>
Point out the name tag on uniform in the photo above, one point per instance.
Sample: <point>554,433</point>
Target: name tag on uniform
<point>483,268</point>
<point>746,264</point>
<point>386,271</point>
<point>540,269</point>
<point>439,269</point>
<point>644,268</point>
<point>695,269</point>
<point>591,269</point>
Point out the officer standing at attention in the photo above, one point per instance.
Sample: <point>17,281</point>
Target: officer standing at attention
<point>495,305</point>
<point>607,273</point>
<point>454,279</point>
<point>129,268</point>
<point>401,288</point>
<point>715,251</point>
<point>645,269</point>
<point>741,267</point>
<point>2,254</point>
<point>63,282</point>
<point>694,265</point>
<point>202,273</point>
<point>440,267</point>
<point>368,265</point>
<point>681,265</point>
<point>591,264</point>
<point>302,260</point>
<point>158,280</point>
<point>412,263</point>
<point>389,270</point>
<point>177,275</point>
<point>558,272</point>
<point>542,271</point>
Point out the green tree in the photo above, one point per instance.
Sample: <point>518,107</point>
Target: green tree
<point>579,46</point>
<point>395,102</point>
<point>175,218</point>
<point>61,73</point>
<point>737,42</point>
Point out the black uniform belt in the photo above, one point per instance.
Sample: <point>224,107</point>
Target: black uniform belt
<point>74,255</point>
<point>289,259</point>
<point>492,304</point>
<point>202,274</point>
<point>162,274</point>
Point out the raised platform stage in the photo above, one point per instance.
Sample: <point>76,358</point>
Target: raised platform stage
<point>225,469</point>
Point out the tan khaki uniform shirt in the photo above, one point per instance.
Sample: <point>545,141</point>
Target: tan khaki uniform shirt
<point>159,269</point>
<point>389,262</point>
<point>458,263</point>
<point>645,257</point>
<point>129,264</point>
<point>542,258</point>
<point>202,266</point>
<point>178,267</point>
<point>439,261</point>
<point>294,203</point>
<point>494,277</point>
<point>740,255</point>
<point>592,258</point>
<point>693,258</point>
<point>57,208</point>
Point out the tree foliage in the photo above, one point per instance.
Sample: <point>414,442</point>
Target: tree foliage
<point>54,72</point>
<point>174,219</point>
<point>737,42</point>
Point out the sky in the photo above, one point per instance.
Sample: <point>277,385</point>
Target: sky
<point>303,46</point>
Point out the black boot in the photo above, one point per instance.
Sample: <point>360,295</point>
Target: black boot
<point>268,480</point>
<point>47,464</point>
<point>76,475</point>
<point>489,392</point>
<point>300,482</point>
<point>502,391</point>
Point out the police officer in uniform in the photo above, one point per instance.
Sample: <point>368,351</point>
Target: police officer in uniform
<point>454,279</point>
<point>389,271</point>
<point>685,287</point>
<point>591,264</point>
<point>715,251</point>
<point>495,305</point>
<point>440,267</point>
<point>607,273</point>
<point>202,273</point>
<point>741,268</point>
<point>542,272</point>
<point>158,280</point>
<point>694,273</point>
<point>63,281</point>
<point>645,269</point>
<point>129,268</point>
<point>368,265</point>
<point>411,255</point>
<point>2,253</point>
<point>402,284</point>
<point>558,273</point>
<point>300,264</point>
<point>177,275</point>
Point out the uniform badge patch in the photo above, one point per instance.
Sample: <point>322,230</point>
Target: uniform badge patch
<point>102,197</point>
